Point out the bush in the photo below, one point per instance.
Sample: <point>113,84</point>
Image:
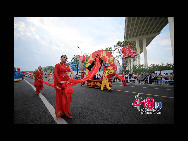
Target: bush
<point>152,68</point>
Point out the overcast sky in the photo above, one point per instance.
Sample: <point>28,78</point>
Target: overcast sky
<point>41,41</point>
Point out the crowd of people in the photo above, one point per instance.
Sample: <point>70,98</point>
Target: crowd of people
<point>149,78</point>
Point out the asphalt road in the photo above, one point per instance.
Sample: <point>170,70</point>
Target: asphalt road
<point>93,106</point>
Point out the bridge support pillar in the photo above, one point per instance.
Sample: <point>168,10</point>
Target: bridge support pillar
<point>145,53</point>
<point>138,51</point>
<point>171,27</point>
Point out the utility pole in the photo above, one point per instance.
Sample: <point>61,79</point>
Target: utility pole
<point>80,50</point>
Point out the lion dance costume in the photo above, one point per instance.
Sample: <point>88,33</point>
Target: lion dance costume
<point>105,80</point>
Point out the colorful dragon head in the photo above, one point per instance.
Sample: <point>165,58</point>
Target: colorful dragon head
<point>105,57</point>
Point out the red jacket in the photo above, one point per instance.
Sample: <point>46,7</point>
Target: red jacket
<point>38,75</point>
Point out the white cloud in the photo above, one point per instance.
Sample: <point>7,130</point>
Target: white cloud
<point>165,42</point>
<point>55,36</point>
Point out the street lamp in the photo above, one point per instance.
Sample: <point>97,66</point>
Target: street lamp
<point>80,50</point>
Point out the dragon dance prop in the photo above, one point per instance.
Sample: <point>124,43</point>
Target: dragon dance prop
<point>103,56</point>
<point>105,59</point>
<point>95,61</point>
<point>73,82</point>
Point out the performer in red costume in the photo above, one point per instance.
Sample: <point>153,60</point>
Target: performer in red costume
<point>63,88</point>
<point>38,80</point>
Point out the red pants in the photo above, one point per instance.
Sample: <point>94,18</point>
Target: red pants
<point>38,85</point>
<point>63,100</point>
<point>38,90</point>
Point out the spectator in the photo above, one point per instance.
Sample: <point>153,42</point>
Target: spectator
<point>152,78</point>
<point>94,77</point>
<point>141,77</point>
<point>126,76</point>
<point>159,78</point>
<point>134,76</point>
<point>171,77</point>
<point>166,76</point>
<point>99,77</point>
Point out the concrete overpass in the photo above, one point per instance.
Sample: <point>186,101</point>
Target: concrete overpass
<point>143,30</point>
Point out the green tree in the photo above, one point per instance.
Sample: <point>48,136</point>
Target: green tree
<point>49,69</point>
<point>109,49</point>
<point>76,62</point>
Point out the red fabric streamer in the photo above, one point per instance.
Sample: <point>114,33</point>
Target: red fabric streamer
<point>89,76</point>
<point>121,78</point>
<point>95,69</point>
<point>49,84</point>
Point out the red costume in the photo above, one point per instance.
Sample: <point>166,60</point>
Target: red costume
<point>82,76</point>
<point>63,91</point>
<point>38,81</point>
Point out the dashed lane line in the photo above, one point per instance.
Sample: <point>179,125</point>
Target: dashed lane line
<point>148,94</point>
<point>145,94</point>
<point>156,95</point>
<point>49,107</point>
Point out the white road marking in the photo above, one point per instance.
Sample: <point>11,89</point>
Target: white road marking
<point>168,89</point>
<point>132,86</point>
<point>49,107</point>
<point>156,88</point>
<point>30,85</point>
<point>144,87</point>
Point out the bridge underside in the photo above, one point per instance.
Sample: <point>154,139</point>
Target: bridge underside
<point>142,30</point>
<point>144,27</point>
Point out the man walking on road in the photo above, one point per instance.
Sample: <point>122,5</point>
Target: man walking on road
<point>38,80</point>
